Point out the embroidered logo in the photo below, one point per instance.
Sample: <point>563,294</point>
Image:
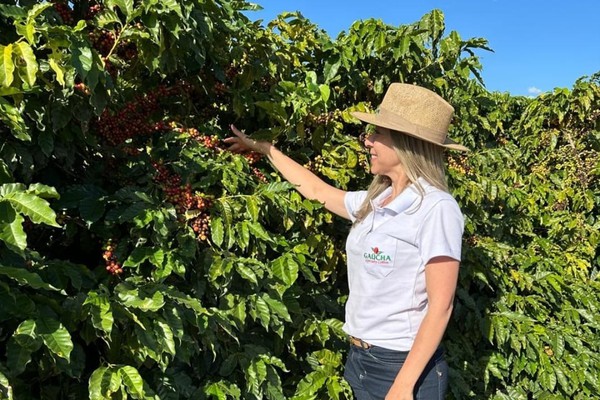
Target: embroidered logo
<point>376,256</point>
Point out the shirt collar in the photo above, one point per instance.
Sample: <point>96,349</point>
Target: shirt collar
<point>404,200</point>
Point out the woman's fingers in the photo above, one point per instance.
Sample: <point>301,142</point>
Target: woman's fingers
<point>236,148</point>
<point>241,142</point>
<point>230,140</point>
<point>235,145</point>
<point>237,132</point>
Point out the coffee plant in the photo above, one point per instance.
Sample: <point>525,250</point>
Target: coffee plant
<point>141,259</point>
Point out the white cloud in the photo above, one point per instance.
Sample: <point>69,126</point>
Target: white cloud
<point>533,90</point>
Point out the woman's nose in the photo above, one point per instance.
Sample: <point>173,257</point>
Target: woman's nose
<point>367,139</point>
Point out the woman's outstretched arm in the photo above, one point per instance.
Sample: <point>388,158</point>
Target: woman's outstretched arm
<point>308,184</point>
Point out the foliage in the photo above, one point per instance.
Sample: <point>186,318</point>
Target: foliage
<point>139,259</point>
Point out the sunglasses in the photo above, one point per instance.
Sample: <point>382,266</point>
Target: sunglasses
<point>370,130</point>
<point>362,137</point>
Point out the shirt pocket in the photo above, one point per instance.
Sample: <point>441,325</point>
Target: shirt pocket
<point>379,254</point>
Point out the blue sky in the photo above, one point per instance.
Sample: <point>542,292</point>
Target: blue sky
<point>538,44</point>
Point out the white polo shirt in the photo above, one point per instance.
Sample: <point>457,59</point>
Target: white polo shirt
<point>387,254</point>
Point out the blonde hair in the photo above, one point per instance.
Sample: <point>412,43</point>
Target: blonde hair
<point>419,159</point>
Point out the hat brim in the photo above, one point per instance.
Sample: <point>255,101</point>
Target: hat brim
<point>401,125</point>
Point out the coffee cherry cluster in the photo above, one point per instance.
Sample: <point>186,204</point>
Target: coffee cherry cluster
<point>181,196</point>
<point>127,50</point>
<point>232,72</point>
<point>66,14</point>
<point>363,161</point>
<point>502,140</point>
<point>315,165</point>
<point>219,89</point>
<point>82,88</point>
<point>370,85</point>
<point>201,226</point>
<point>266,82</point>
<point>133,119</point>
<point>258,173</point>
<point>560,206</point>
<point>591,160</point>
<point>209,141</point>
<point>472,240</point>
<point>184,200</point>
<point>93,11</point>
<point>253,157</point>
<point>110,67</point>
<point>112,265</point>
<point>459,164</point>
<point>103,41</point>
<point>131,151</point>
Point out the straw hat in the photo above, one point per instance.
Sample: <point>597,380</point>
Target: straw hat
<point>415,111</point>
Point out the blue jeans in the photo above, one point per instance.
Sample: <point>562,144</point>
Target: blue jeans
<point>372,371</point>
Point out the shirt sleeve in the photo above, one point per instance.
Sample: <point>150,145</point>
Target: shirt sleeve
<point>353,201</point>
<point>441,232</point>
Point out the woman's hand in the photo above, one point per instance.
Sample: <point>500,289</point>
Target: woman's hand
<point>241,143</point>
<point>398,392</point>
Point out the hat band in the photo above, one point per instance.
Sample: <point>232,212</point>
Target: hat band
<point>410,127</point>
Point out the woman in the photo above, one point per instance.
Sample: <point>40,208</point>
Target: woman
<point>403,249</point>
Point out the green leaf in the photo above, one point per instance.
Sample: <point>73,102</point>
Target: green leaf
<point>60,72</point>
<point>25,277</point>
<point>5,174</point>
<point>172,5</point>
<point>246,273</point>
<point>262,310</point>
<point>10,91</point>
<point>46,142</point>
<point>26,336</point>
<point>259,231</point>
<point>8,188</point>
<point>16,12</point>
<point>6,391</point>
<point>547,379</point>
<point>31,65</point>
<point>37,10</point>
<point>275,187</point>
<point>102,317</point>
<point>107,17</point>
<point>325,93</point>
<point>17,357</point>
<point>34,207</point>
<point>103,382</point>
<point>72,197</point>
<point>330,70</point>
<point>11,228</point>
<point>277,307</point>
<point>138,256</point>
<point>81,57</point>
<point>11,116</point>
<point>41,190</point>
<point>132,297</point>
<point>95,384</point>
<point>7,66</point>
<point>92,209</point>
<point>216,231</point>
<point>285,269</point>
<point>243,234</point>
<point>126,6</point>
<point>165,336</point>
<point>55,337</point>
<point>133,381</point>
<point>253,208</point>
<point>27,30</point>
